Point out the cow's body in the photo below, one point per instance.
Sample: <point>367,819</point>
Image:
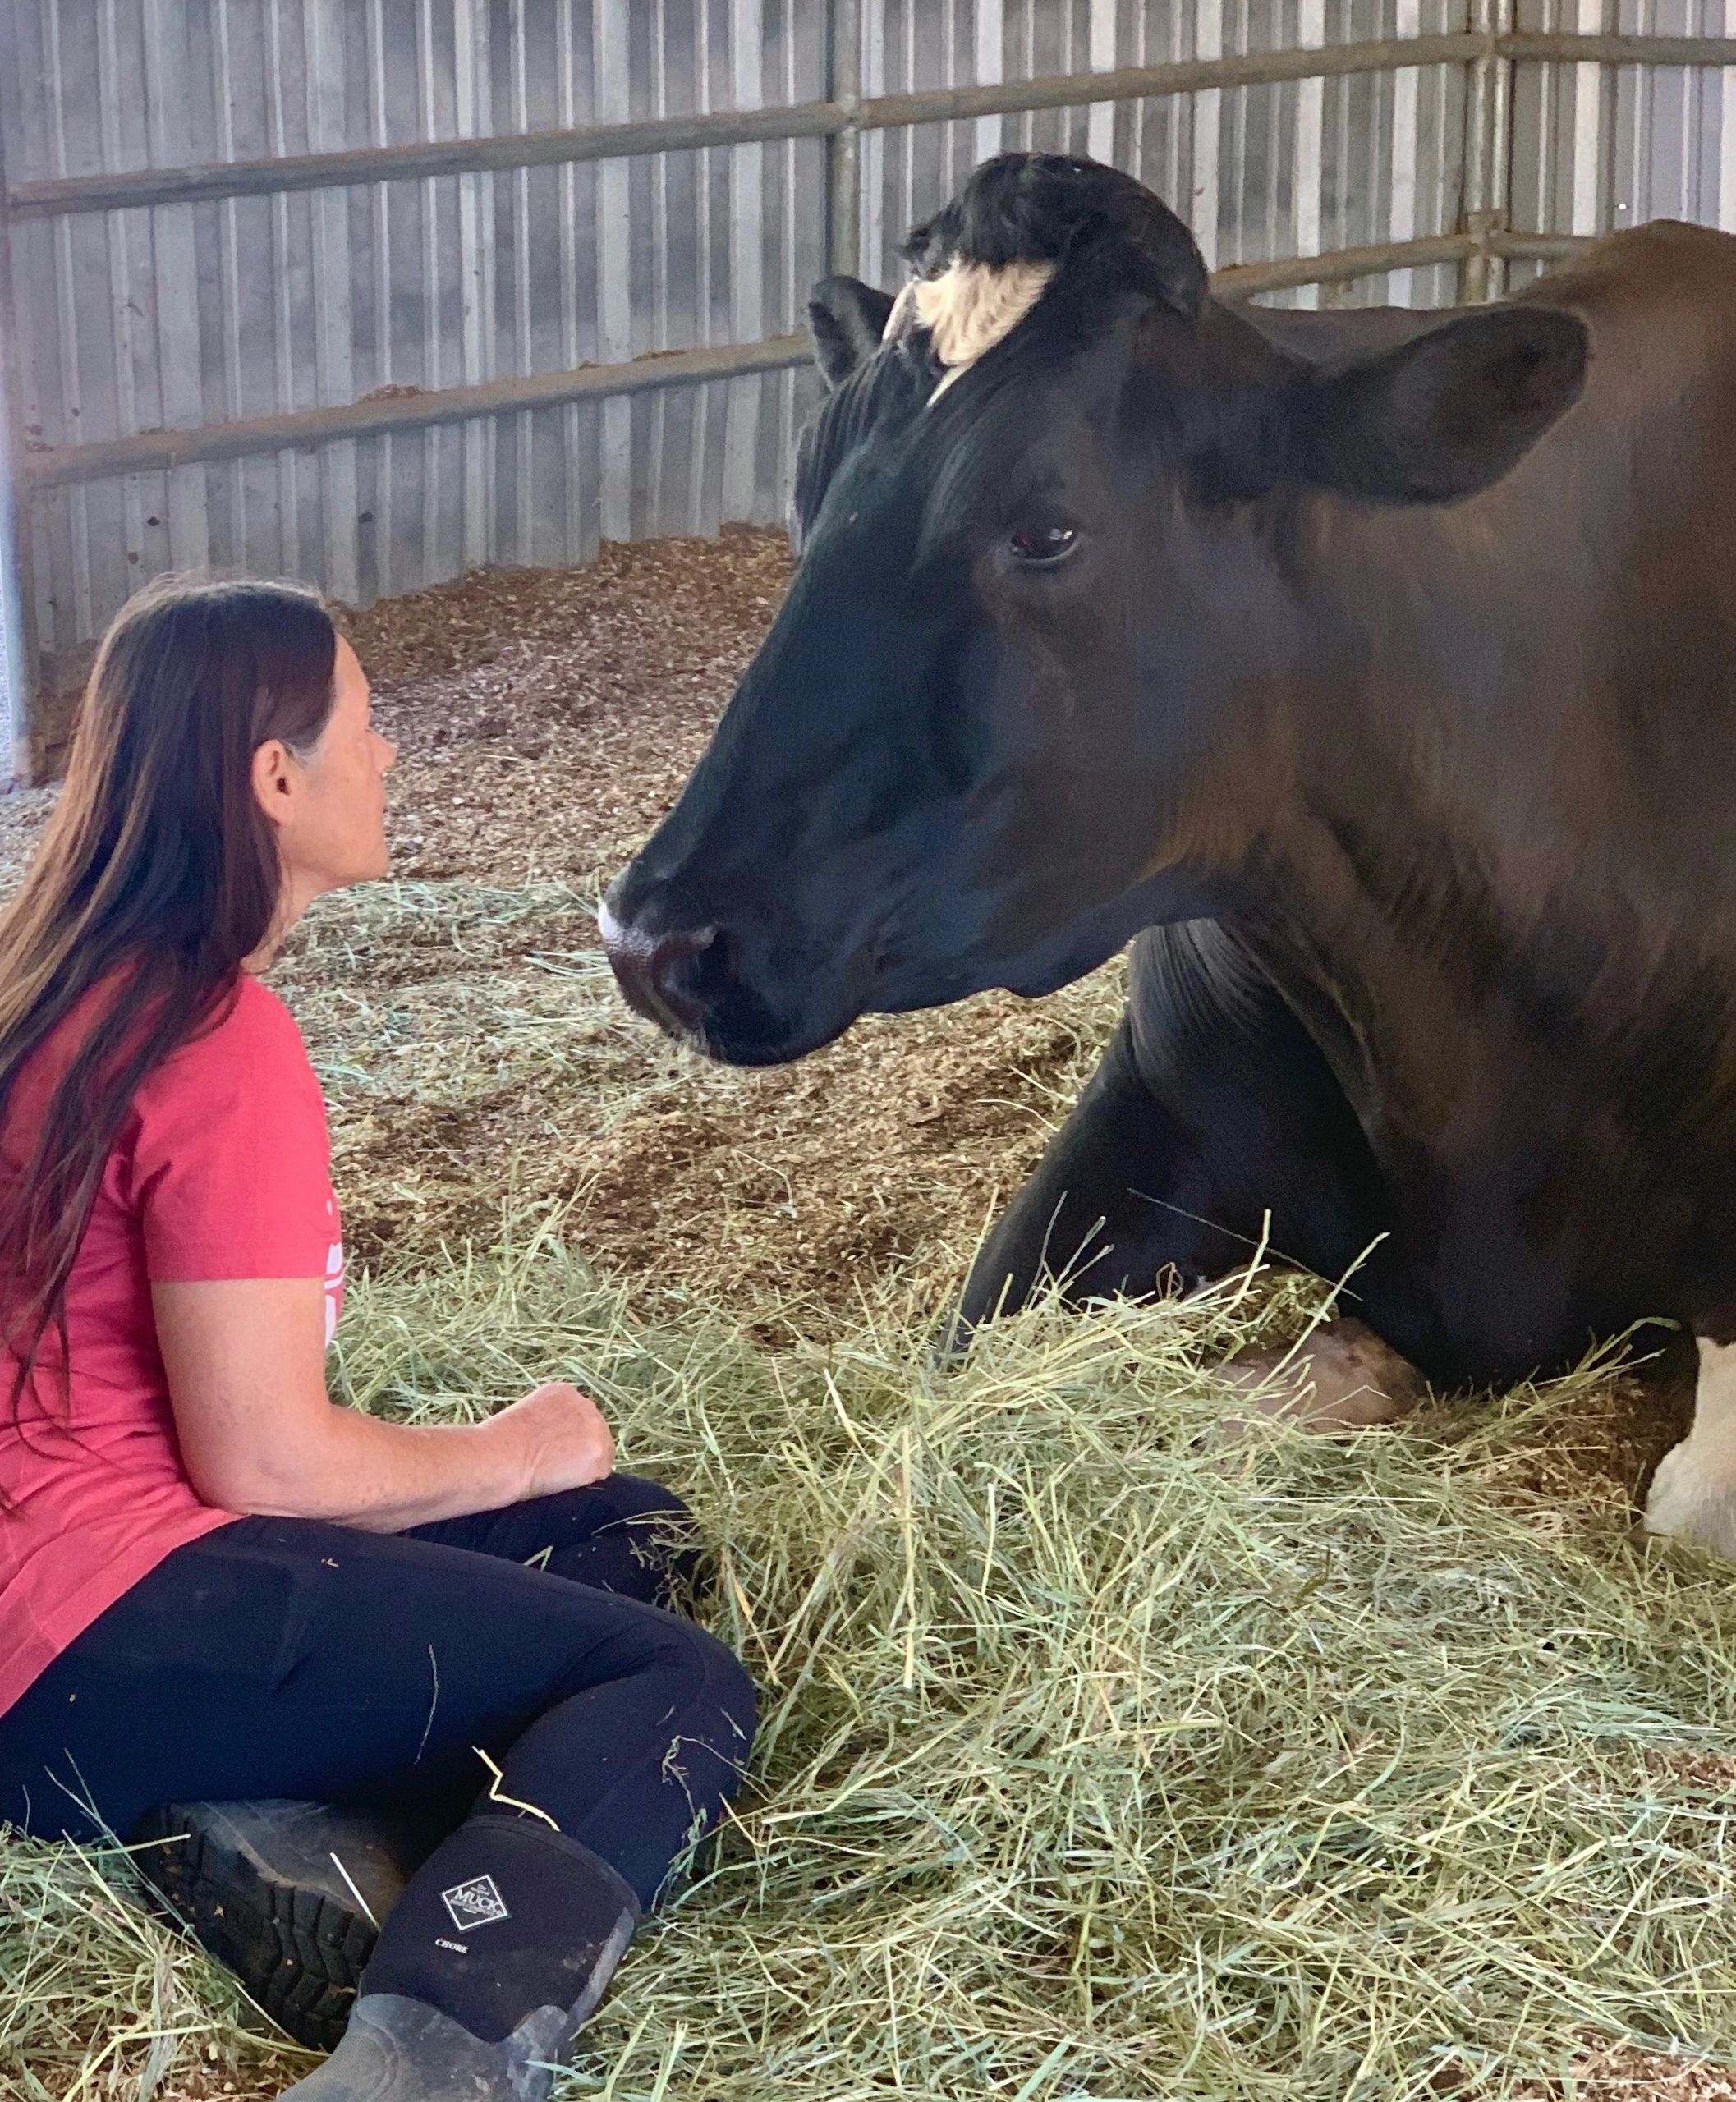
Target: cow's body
<point>1491,943</point>
<point>1395,696</point>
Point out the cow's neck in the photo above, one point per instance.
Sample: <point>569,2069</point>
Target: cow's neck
<point>1392,880</point>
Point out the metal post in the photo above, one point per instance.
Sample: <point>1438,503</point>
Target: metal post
<point>1488,153</point>
<point>844,147</point>
<point>20,659</point>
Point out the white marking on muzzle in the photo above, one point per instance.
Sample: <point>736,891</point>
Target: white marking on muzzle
<point>619,938</point>
<point>967,309</point>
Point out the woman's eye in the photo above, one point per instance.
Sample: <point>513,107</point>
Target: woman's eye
<point>1044,544</point>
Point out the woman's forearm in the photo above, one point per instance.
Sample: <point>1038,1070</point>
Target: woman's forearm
<point>245,1364</point>
<point>356,1469</point>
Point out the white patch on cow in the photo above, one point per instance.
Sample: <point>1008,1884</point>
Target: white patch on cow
<point>902,315</point>
<point>967,309</point>
<point>1693,1492</point>
<point>620,940</point>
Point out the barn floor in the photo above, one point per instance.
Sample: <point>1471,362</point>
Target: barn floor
<point>762,1255</point>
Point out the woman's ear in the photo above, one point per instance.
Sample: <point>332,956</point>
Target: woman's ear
<point>274,786</point>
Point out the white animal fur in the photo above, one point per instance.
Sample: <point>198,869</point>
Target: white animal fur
<point>1693,1492</point>
<point>969,308</point>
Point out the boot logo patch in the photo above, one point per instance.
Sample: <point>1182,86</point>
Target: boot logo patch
<point>477,1903</point>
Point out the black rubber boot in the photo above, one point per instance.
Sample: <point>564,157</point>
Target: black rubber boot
<point>499,1953</point>
<point>290,1896</point>
<point>400,2050</point>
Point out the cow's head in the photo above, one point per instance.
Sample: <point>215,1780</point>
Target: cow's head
<point>1024,693</point>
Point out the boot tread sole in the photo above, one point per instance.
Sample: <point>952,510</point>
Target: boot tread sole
<point>300,1953</point>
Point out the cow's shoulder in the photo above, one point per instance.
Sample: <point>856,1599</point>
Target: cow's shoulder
<point>1665,277</point>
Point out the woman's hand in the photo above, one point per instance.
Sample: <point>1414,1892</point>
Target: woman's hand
<point>562,1438</point>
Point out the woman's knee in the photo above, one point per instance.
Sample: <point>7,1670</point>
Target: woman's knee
<point>729,1690</point>
<point>688,1681</point>
<point>700,1671</point>
<point>615,1499</point>
<point>719,1717</point>
<point>679,1706</point>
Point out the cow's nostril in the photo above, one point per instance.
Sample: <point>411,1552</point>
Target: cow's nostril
<point>709,966</point>
<point>669,978</point>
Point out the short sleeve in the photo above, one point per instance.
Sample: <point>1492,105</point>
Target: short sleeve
<point>231,1159</point>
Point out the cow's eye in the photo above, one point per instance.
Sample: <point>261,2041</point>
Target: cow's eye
<point>1041,546</point>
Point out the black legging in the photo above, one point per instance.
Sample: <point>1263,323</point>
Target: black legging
<point>287,1658</point>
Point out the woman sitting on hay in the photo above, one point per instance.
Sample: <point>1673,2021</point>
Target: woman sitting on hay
<point>228,1606</point>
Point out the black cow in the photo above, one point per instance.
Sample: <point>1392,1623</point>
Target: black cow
<point>1375,672</point>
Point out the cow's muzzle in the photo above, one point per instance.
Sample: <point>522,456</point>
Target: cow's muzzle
<point>671,979</point>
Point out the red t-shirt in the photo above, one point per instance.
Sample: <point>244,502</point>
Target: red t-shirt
<point>222,1169</point>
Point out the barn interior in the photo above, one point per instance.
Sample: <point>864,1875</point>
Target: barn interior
<point>1100,1757</point>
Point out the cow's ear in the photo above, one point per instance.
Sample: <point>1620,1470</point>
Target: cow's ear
<point>848,318</point>
<point>1444,414</point>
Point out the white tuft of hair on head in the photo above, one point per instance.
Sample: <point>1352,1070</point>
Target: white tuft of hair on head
<point>902,314</point>
<point>971,306</point>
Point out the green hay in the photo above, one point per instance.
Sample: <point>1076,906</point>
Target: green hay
<point>1102,1759</point>
<point>1099,1756</point>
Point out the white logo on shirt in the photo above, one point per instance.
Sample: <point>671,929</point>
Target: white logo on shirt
<point>333,1289</point>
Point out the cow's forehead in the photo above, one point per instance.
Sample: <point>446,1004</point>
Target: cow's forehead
<point>968,309</point>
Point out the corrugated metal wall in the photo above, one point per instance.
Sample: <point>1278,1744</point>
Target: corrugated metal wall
<point>1602,146</point>
<point>182,315</point>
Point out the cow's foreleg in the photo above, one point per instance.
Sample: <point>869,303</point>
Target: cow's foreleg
<point>1093,1217</point>
<point>1693,1492</point>
<point>1213,1126</point>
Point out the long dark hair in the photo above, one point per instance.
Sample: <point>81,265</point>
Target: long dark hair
<point>158,875</point>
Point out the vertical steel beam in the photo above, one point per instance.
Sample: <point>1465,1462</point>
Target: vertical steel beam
<point>844,147</point>
<point>1488,153</point>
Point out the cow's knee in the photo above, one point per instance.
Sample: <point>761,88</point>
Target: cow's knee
<point>1693,1492</point>
<point>1344,1378</point>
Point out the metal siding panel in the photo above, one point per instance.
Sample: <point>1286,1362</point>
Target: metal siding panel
<point>1727,131</point>
<point>1308,181</point>
<point>184,314</point>
<point>174,304</point>
<point>1592,96</point>
<point>576,516</point>
<point>282,253</point>
<point>475,217</point>
<point>82,611</point>
<point>334,324</point>
<point>872,257</point>
<point>1204,191</point>
<point>19,648</point>
<point>989,48</point>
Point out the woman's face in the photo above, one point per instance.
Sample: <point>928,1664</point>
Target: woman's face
<point>330,806</point>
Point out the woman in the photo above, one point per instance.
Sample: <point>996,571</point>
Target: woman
<point>226,1604</point>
